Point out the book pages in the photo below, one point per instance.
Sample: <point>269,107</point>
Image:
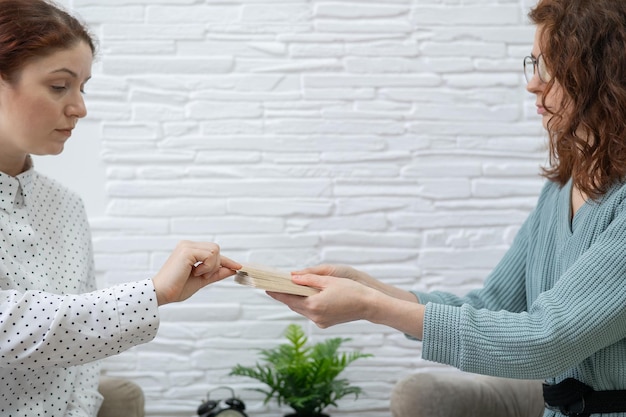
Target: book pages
<point>271,279</point>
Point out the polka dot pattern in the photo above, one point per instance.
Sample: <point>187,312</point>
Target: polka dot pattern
<point>54,324</point>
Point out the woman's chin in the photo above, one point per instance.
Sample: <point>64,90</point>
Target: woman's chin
<point>51,151</point>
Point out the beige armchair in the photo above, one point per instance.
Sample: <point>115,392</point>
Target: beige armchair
<point>453,394</point>
<point>122,398</point>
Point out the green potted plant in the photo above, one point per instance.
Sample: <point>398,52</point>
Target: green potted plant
<point>303,377</point>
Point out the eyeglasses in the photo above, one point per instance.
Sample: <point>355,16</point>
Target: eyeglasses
<point>532,64</point>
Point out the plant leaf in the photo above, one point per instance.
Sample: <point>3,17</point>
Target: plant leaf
<point>303,377</point>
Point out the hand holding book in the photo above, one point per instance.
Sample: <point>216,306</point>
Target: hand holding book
<point>271,279</point>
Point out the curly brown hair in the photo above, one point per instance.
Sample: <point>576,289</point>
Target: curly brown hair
<point>583,43</point>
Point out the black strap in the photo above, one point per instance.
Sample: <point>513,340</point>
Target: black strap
<point>574,398</point>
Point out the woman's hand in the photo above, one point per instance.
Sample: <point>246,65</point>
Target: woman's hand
<point>191,266</point>
<point>341,300</point>
<point>348,272</point>
<point>341,271</point>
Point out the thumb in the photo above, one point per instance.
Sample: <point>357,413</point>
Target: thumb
<point>310,280</point>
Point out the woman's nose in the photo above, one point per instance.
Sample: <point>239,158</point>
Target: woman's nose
<point>77,108</point>
<point>535,85</point>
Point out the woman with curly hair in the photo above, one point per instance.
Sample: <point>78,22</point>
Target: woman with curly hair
<point>554,308</point>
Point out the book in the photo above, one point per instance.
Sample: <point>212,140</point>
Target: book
<point>271,279</point>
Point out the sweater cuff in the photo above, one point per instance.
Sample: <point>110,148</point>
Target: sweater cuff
<point>425,298</point>
<point>441,334</point>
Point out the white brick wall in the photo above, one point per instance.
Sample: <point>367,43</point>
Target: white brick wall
<point>396,136</point>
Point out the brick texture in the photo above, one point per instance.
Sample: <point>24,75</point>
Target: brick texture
<point>396,136</point>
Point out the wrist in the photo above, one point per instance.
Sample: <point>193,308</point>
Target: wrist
<point>402,315</point>
<point>161,297</point>
<point>375,306</point>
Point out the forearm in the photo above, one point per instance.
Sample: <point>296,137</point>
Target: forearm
<point>405,316</point>
<point>126,316</point>
<point>387,289</point>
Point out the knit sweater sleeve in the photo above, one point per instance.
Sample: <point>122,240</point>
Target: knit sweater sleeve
<point>504,288</point>
<point>581,314</point>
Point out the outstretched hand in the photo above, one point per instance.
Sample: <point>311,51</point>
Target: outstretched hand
<point>340,300</point>
<point>348,272</point>
<point>190,267</point>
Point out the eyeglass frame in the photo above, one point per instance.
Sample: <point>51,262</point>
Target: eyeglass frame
<point>536,68</point>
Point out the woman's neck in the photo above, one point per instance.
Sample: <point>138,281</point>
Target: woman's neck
<point>14,166</point>
<point>578,199</point>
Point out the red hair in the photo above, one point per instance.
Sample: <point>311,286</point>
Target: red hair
<point>583,43</point>
<point>35,28</point>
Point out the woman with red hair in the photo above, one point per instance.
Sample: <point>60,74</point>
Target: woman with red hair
<point>554,308</point>
<point>55,325</point>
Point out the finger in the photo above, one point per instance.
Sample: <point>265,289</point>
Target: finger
<point>205,268</point>
<point>219,274</point>
<point>278,296</point>
<point>196,253</point>
<point>310,280</point>
<point>317,270</point>
<point>215,275</point>
<point>224,273</point>
<point>292,301</point>
<point>230,264</point>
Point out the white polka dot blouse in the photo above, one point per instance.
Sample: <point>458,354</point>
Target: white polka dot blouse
<point>54,324</point>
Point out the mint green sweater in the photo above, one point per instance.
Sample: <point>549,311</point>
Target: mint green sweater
<point>555,305</point>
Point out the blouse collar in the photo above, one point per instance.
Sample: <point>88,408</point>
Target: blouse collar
<point>14,189</point>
